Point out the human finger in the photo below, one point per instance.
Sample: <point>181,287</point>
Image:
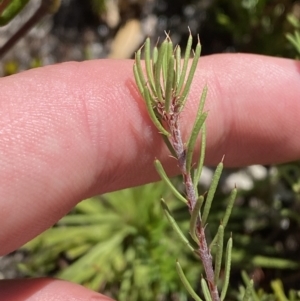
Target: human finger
<point>73,130</point>
<point>45,289</point>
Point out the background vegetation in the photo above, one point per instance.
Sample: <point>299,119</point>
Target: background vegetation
<point>122,244</point>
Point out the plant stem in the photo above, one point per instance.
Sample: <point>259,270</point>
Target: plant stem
<point>172,121</point>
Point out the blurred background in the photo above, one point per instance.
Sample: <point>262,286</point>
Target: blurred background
<point>81,30</point>
<point>122,245</point>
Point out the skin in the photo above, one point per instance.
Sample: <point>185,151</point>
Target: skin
<point>74,130</point>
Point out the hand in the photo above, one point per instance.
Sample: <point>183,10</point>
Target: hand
<point>74,130</point>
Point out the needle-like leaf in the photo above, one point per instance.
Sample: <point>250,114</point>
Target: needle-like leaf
<point>229,207</point>
<point>185,64</point>
<point>168,54</point>
<point>10,10</point>
<point>203,98</point>
<point>219,253</point>
<point>178,64</point>
<point>227,213</point>
<point>198,170</point>
<point>211,192</point>
<point>247,281</point>
<point>192,140</point>
<point>154,57</point>
<point>139,67</point>
<point>169,145</point>
<point>205,290</point>
<point>160,170</point>
<point>175,226</point>
<point>200,113</point>
<point>169,84</point>
<point>138,79</point>
<point>227,269</point>
<point>187,86</point>
<point>248,291</point>
<point>152,114</point>
<point>149,68</point>
<point>186,283</point>
<point>195,218</point>
<point>158,70</point>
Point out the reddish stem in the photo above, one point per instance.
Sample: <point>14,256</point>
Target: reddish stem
<point>172,121</point>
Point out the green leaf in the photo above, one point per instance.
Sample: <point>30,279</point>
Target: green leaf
<point>154,57</point>
<point>227,268</point>
<point>84,219</point>
<point>178,64</point>
<point>169,84</point>
<point>138,72</point>
<point>166,61</point>
<point>175,226</point>
<point>293,20</point>
<point>192,140</point>
<point>149,68</point>
<point>183,96</point>
<point>158,70</point>
<point>211,192</point>
<point>229,207</point>
<point>185,282</point>
<point>219,253</point>
<point>203,99</point>
<point>152,114</point>
<point>160,170</point>
<point>74,252</point>
<point>205,290</point>
<point>199,168</point>
<point>294,39</point>
<point>169,145</point>
<point>247,281</point>
<point>138,80</point>
<point>185,64</point>
<point>11,10</point>
<point>248,291</point>
<point>227,214</point>
<point>271,262</point>
<point>195,218</point>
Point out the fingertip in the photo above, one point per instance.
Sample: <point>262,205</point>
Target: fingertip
<point>45,289</point>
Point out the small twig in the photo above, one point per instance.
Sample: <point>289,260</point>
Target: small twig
<point>204,252</point>
<point>165,86</point>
